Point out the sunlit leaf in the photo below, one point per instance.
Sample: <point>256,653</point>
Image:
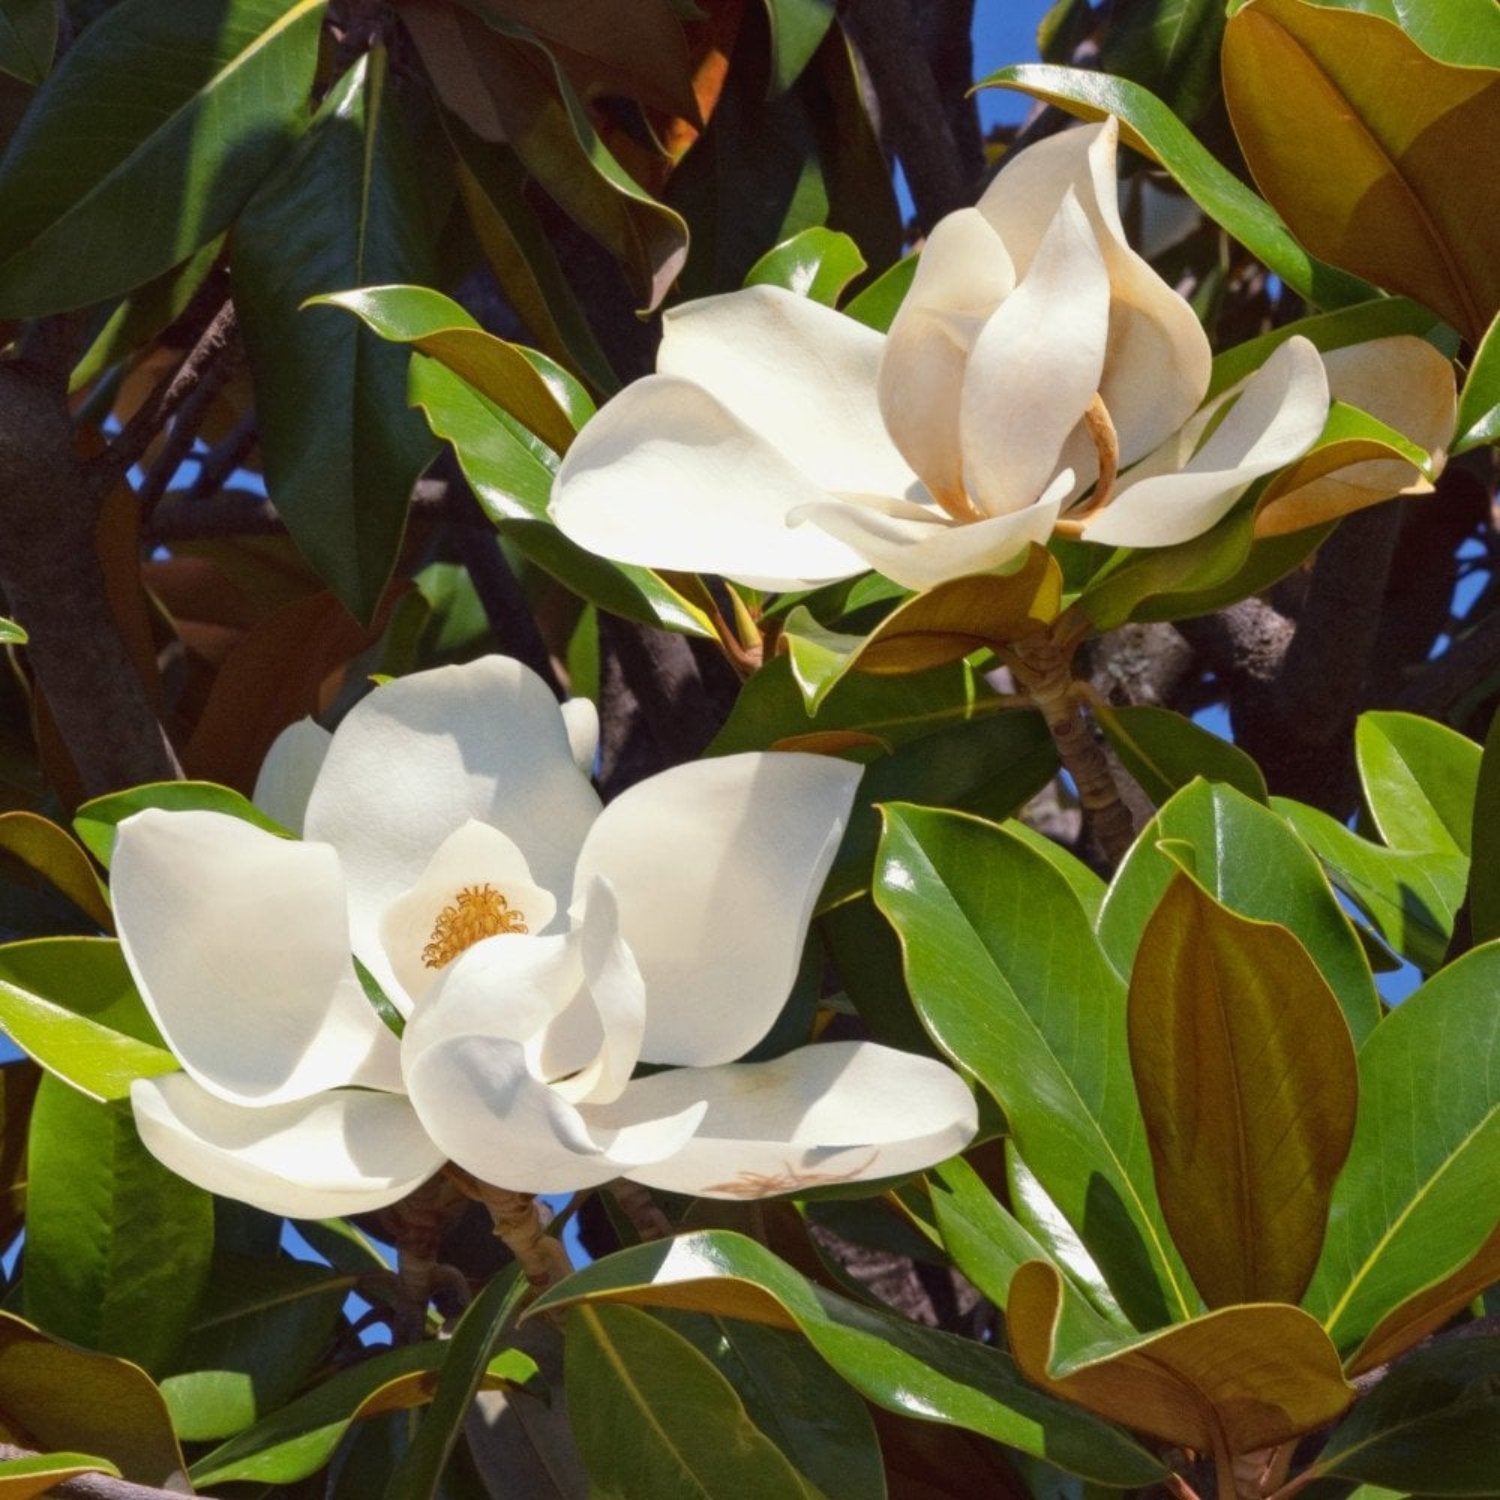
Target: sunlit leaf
<point>1479,401</point>
<point>55,855</point>
<point>1419,780</point>
<point>22,1478</point>
<point>1165,751</point>
<point>97,819</point>
<point>818,263</point>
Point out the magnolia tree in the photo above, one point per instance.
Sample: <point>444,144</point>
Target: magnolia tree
<point>612,885</point>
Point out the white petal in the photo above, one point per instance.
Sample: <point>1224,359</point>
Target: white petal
<point>480,1101</point>
<point>716,866</point>
<point>800,375</point>
<point>338,1153</point>
<point>1277,418</point>
<point>962,276</point>
<point>836,1112</point>
<point>582,720</point>
<point>919,552</point>
<point>1035,368</point>
<point>1157,365</point>
<point>665,476</point>
<point>239,942</point>
<point>417,758</point>
<point>289,770</point>
<point>472,857</point>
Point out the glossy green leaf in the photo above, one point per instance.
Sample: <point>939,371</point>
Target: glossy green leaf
<point>300,1438</point>
<point>907,1369</point>
<point>1412,899</point>
<point>653,1417</point>
<point>1419,779</point>
<point>818,263</point>
<point>1416,1198</point>
<point>821,1425</point>
<point>58,858</point>
<point>979,914</point>
<point>71,1004</point>
<point>1149,126</point>
<point>797,29</point>
<point>1246,857</point>
<point>96,821</point>
<point>1246,1077</point>
<point>28,38</point>
<point>117,1247</point>
<point>66,1398</point>
<point>1369,149</point>
<point>1172,48</point>
<point>1230,1382</point>
<point>1479,401</point>
<point>418,1475</point>
<point>877,305</point>
<point>1428,1426</point>
<point>260,1327</point>
<point>512,480</point>
<point>22,1478</point>
<point>202,98</point>
<point>1484,873</point>
<point>1165,751</point>
<point>341,449</point>
<point>11,634</point>
<point>1463,32</point>
<point>538,393</point>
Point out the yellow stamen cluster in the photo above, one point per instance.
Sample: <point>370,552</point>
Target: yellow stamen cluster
<point>478,911</point>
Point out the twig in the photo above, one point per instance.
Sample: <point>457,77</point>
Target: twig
<point>184,433</point>
<point>641,1209</point>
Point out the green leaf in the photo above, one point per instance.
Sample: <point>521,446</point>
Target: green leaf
<point>28,38</point>
<point>1165,751</point>
<point>818,263</point>
<point>1479,401</point>
<point>300,1438</point>
<point>654,1417</point>
<point>202,98</point>
<point>1246,857</point>
<point>22,1478</point>
<point>1370,150</point>
<point>1484,872</point>
<point>71,1004</point>
<point>69,1399</point>
<point>11,634</point>
<point>1412,899</point>
<point>512,480</point>
<point>1429,1425</point>
<point>1149,126</point>
<point>117,1246</point>
<point>58,858</point>
<point>96,821</point>
<point>1465,33</point>
<point>1419,779</point>
<point>821,1425</point>
<point>797,30</point>
<point>260,1327</point>
<point>877,305</point>
<point>538,393</point>
<point>419,1474</point>
<point>1416,1197</point>
<point>1172,48</point>
<point>906,1369</point>
<point>1246,1077</point>
<point>979,914</point>
<point>341,449</point>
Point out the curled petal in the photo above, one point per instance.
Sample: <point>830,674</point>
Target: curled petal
<point>962,276</point>
<point>1035,368</point>
<point>239,943</point>
<point>716,866</point>
<point>666,476</point>
<point>477,870</point>
<point>918,550</point>
<point>419,757</point>
<point>798,374</point>
<point>483,1104</point>
<point>1157,366</point>
<point>343,1152</point>
<point>1278,416</point>
<point>582,720</point>
<point>289,770</point>
<point>831,1113</point>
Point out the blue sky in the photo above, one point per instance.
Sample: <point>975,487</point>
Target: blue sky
<point>1004,32</point>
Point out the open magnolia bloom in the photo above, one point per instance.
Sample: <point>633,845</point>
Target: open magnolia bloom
<point>1035,360</point>
<point>537,944</point>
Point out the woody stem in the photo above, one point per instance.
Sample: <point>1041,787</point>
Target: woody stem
<point>637,1204</point>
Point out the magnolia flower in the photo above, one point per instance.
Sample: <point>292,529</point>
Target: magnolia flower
<point>785,445</point>
<point>538,947</point>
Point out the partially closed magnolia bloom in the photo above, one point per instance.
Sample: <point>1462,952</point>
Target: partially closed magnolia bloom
<point>538,946</point>
<point>1035,359</point>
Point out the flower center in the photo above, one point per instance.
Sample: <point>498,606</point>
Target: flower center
<point>476,912</point>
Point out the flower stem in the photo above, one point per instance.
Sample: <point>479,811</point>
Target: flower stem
<point>542,1259</point>
<point>637,1204</point>
<point>415,1226</point>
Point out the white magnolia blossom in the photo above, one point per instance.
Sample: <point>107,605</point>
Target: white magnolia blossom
<point>538,945</point>
<point>785,445</point>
